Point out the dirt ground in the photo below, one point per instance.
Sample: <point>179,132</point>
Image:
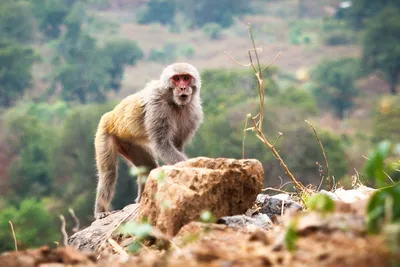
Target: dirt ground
<point>338,239</point>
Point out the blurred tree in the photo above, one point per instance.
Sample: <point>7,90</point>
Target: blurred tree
<point>85,71</point>
<point>121,52</point>
<point>225,88</point>
<point>381,45</point>
<point>162,11</point>
<point>34,225</point>
<point>16,20</point>
<point>16,61</point>
<point>361,11</point>
<point>51,14</point>
<point>212,30</point>
<point>386,120</point>
<point>30,141</point>
<point>334,83</point>
<point>221,12</point>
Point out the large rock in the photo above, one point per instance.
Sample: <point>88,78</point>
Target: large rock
<point>178,194</point>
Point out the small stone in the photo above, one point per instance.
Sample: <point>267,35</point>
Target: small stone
<point>272,205</point>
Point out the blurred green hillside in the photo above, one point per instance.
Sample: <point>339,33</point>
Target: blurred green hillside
<point>63,63</point>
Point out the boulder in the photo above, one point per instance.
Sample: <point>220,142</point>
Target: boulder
<point>176,195</point>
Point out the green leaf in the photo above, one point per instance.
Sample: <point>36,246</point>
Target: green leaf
<point>139,230</point>
<point>207,217</point>
<point>291,236</point>
<point>321,203</point>
<point>381,209</point>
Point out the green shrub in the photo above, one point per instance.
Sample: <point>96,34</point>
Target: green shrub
<point>165,54</point>
<point>221,12</point>
<point>34,225</point>
<point>187,51</point>
<point>334,83</point>
<point>212,31</point>
<point>31,142</point>
<point>386,121</point>
<point>162,11</point>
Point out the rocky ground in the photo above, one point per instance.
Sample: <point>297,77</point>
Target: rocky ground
<point>243,226</point>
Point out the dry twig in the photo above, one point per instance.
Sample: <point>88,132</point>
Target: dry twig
<point>76,228</point>
<point>244,133</point>
<point>63,231</point>
<point>328,177</point>
<point>258,119</point>
<point>117,247</point>
<point>273,189</point>
<point>136,209</point>
<point>13,233</point>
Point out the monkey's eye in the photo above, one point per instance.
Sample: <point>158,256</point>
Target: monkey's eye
<point>186,77</point>
<point>175,78</point>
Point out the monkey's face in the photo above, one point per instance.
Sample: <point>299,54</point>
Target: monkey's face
<point>182,89</point>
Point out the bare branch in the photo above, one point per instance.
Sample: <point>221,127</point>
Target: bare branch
<point>277,139</point>
<point>117,247</point>
<point>260,116</point>
<point>235,61</point>
<point>328,177</point>
<point>254,46</point>
<point>276,57</point>
<point>273,189</point>
<point>76,228</point>
<point>63,231</point>
<point>244,133</point>
<point>13,233</point>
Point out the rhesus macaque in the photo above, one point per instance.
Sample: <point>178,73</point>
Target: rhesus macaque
<point>156,121</point>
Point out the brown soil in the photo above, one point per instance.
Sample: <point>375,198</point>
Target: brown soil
<point>225,246</point>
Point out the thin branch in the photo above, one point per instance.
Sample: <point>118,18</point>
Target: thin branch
<point>76,228</point>
<point>251,61</point>
<point>258,124</point>
<point>244,133</point>
<point>328,177</point>
<point>136,209</point>
<point>273,189</point>
<point>388,176</point>
<point>276,57</point>
<point>13,233</point>
<point>277,139</point>
<point>117,247</point>
<point>290,182</point>
<point>320,183</point>
<point>237,62</point>
<point>254,46</point>
<point>63,231</point>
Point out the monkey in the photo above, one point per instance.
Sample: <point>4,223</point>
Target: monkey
<point>155,122</point>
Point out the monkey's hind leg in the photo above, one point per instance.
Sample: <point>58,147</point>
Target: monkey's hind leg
<point>106,162</point>
<point>144,159</point>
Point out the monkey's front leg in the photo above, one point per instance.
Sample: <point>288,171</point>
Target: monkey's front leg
<point>163,141</point>
<point>169,153</point>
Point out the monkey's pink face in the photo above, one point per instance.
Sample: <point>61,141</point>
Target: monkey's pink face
<point>182,91</point>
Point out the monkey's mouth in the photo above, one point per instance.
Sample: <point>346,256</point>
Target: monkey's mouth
<point>183,97</point>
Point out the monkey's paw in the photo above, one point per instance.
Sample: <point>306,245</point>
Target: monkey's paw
<point>102,215</point>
